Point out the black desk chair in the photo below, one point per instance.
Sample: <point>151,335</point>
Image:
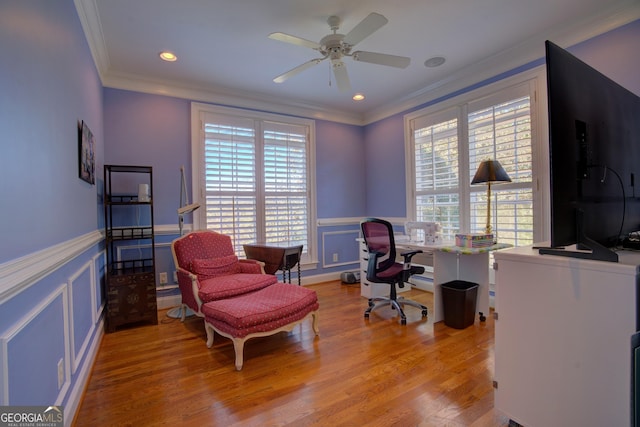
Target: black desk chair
<point>383,268</point>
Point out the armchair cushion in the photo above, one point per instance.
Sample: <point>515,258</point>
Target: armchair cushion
<point>221,287</point>
<point>214,267</point>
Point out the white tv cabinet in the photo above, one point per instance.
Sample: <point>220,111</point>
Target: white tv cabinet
<point>563,338</point>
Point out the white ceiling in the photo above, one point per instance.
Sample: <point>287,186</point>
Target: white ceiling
<point>224,54</point>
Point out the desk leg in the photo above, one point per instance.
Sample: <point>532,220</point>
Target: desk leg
<point>445,269</point>
<point>448,266</point>
<point>475,268</point>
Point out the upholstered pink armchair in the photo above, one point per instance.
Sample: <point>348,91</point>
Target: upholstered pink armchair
<point>209,270</point>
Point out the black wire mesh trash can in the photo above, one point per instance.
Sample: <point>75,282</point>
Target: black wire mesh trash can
<point>459,303</point>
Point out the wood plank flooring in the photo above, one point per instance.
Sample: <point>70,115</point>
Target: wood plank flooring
<point>357,372</point>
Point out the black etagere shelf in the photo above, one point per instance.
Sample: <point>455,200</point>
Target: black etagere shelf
<point>130,281</point>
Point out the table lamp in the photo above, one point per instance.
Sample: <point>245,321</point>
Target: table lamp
<point>490,171</point>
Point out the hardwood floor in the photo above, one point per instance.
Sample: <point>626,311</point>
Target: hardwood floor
<point>356,372</point>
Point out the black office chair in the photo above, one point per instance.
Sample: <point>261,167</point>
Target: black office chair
<point>383,268</point>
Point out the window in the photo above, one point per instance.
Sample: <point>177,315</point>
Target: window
<point>437,171</point>
<point>444,149</point>
<point>503,132</point>
<point>255,176</point>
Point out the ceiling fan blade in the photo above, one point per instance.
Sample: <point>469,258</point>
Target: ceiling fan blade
<point>342,77</point>
<point>381,59</point>
<point>365,28</point>
<point>300,68</point>
<point>294,40</point>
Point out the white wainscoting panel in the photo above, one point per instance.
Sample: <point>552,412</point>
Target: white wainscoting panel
<point>19,326</point>
<point>74,283</point>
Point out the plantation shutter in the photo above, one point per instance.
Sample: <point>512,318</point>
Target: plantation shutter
<point>503,132</point>
<point>256,180</point>
<point>437,172</point>
<point>230,177</point>
<point>285,183</point>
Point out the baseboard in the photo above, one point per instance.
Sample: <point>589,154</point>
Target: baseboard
<point>80,384</point>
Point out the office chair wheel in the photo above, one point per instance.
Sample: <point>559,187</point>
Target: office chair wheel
<point>366,315</point>
<point>424,313</point>
<point>483,318</point>
<point>403,321</point>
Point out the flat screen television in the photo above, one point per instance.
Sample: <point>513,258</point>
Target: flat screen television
<point>594,143</point>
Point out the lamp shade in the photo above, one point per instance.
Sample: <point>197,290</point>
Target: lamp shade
<point>490,171</point>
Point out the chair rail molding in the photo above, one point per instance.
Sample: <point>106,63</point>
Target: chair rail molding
<point>20,273</point>
<point>332,222</point>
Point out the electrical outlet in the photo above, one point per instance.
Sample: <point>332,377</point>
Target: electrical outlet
<point>163,278</point>
<point>335,257</point>
<point>60,373</point>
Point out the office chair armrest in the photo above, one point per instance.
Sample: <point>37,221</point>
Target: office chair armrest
<point>409,254</point>
<point>372,266</point>
<point>408,269</point>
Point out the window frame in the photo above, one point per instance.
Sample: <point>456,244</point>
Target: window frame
<point>198,110</point>
<point>458,106</point>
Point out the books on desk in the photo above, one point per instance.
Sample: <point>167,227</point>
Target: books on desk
<point>474,240</point>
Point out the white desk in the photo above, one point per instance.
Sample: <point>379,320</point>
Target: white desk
<point>452,262</point>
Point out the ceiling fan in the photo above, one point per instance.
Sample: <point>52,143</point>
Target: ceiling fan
<point>336,46</point>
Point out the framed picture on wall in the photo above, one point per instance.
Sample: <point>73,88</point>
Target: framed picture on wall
<point>86,156</point>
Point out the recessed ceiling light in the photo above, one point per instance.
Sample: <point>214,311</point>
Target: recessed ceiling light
<point>436,61</point>
<point>168,56</point>
<point>358,97</point>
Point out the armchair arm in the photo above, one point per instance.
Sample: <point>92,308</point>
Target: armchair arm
<point>189,286</point>
<point>251,266</point>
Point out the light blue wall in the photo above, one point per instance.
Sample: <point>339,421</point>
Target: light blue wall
<point>340,159</point>
<point>150,130</point>
<point>51,258</point>
<point>154,130</point>
<point>615,54</point>
<point>48,82</point>
<point>51,255</point>
<point>385,169</point>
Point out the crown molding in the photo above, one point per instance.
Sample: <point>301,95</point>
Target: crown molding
<point>518,56</point>
<point>90,20</point>
<point>521,55</point>
<point>92,27</point>
<point>227,98</point>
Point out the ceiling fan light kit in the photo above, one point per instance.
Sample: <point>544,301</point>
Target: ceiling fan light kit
<point>336,46</point>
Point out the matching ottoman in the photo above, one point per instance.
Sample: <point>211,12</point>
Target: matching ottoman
<point>276,308</point>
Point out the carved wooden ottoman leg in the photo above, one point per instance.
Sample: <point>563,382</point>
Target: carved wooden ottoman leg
<point>238,346</point>
<point>210,334</point>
